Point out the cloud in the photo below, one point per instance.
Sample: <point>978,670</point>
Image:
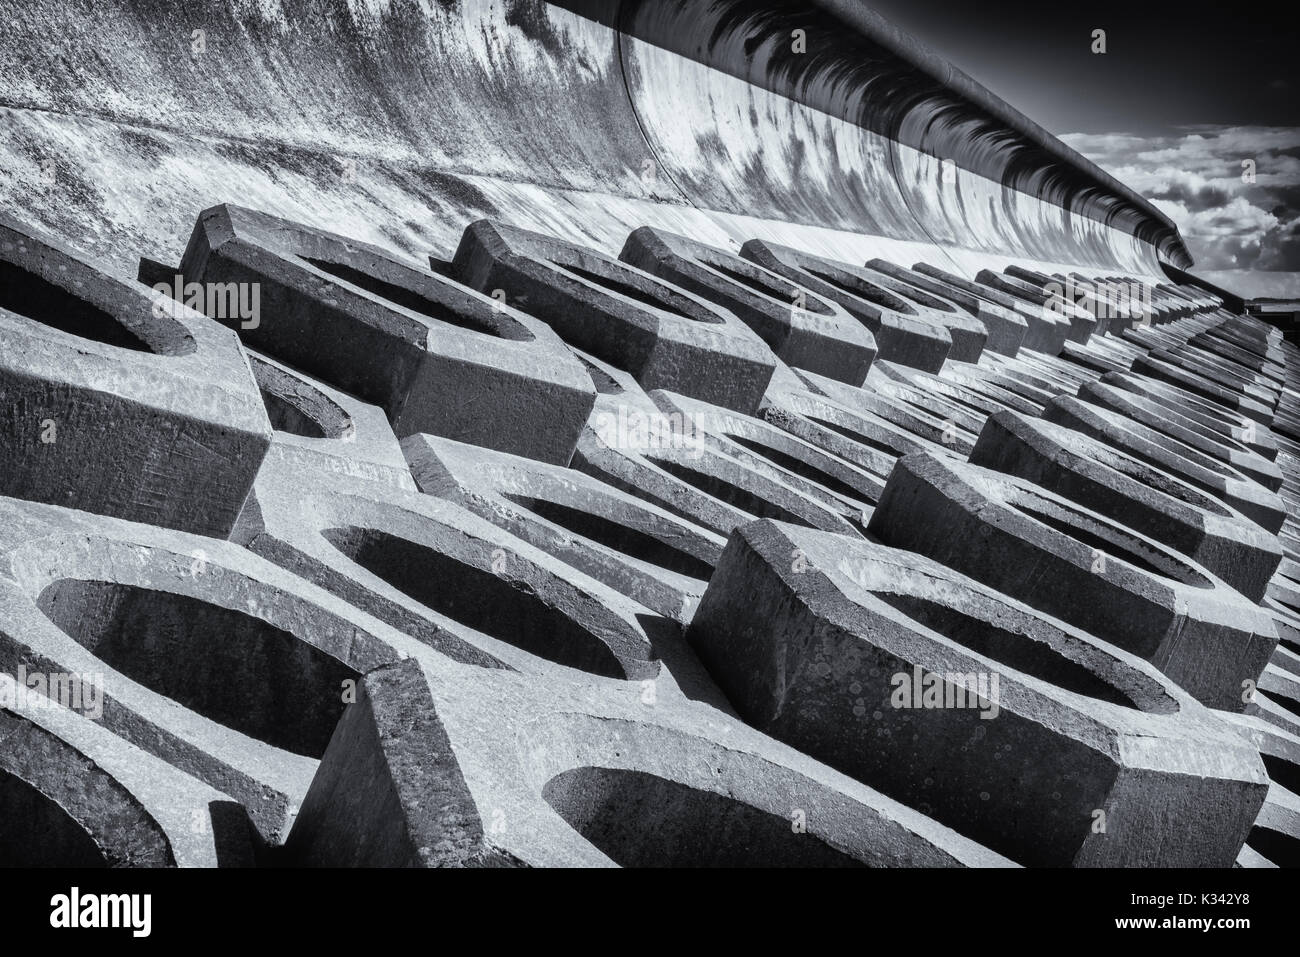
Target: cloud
<point>1233,191</point>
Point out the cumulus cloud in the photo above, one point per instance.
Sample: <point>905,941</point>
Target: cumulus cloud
<point>1233,191</point>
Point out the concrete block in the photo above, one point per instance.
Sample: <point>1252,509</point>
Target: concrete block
<point>73,794</point>
<point>117,400</point>
<point>326,428</point>
<point>1247,496</point>
<point>1045,331</point>
<point>210,659</point>
<point>634,547</point>
<point>1076,565</point>
<point>1012,728</point>
<point>1248,463</point>
<point>669,460</point>
<point>494,769</point>
<point>443,576</point>
<point>804,329</point>
<point>1005,330</point>
<point>1145,499</point>
<point>666,337</point>
<point>1215,419</point>
<point>903,334</point>
<point>434,354</point>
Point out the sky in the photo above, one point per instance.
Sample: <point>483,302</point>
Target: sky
<point>1182,96</point>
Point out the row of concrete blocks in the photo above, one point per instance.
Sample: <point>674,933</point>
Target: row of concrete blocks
<point>557,597</point>
<point>435,353</point>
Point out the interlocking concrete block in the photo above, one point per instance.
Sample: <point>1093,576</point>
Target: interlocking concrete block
<point>1046,332</point>
<point>1232,369</point>
<point>1185,431</point>
<point>434,354</point>
<point>903,333</point>
<point>325,428</point>
<point>73,794</point>
<point>443,576</point>
<point>837,483</point>
<point>1217,420</point>
<point>666,337</point>
<point>209,658</point>
<point>117,400</point>
<point>1276,834</point>
<point>1143,498</point>
<point>974,395</point>
<point>495,769</point>
<point>1081,567</point>
<point>925,417</point>
<point>1247,496</point>
<point>1081,322</point>
<point>670,461</point>
<point>1005,330</point>
<point>969,336</point>
<point>634,547</point>
<point>1009,727</point>
<point>803,329</point>
<point>1221,371</point>
<point>1171,370</point>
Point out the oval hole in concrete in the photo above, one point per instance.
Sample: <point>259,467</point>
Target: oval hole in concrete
<point>230,667</point>
<point>638,819</point>
<point>508,611</point>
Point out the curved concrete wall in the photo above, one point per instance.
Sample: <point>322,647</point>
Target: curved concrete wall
<point>400,122</point>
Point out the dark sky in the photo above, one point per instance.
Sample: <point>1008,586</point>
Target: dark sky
<point>1166,65</point>
<point>1185,94</point>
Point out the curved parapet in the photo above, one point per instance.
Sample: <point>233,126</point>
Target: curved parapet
<point>399,123</point>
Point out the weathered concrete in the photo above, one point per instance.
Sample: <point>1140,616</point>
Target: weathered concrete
<point>902,333</point>
<point>211,659</point>
<point>1036,732</point>
<point>1154,448</point>
<point>1006,330</point>
<point>1046,332</point>
<point>435,355</point>
<point>117,400</point>
<point>1082,568</point>
<point>1143,498</point>
<point>492,769</point>
<point>667,338</point>
<point>631,545</point>
<point>73,794</point>
<point>803,329</point>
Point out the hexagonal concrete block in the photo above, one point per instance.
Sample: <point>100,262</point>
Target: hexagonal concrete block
<point>209,658</point>
<point>633,546</point>
<point>903,333</point>
<point>666,337</point>
<point>434,354</point>
<point>1014,729</point>
<point>495,769</point>
<point>804,329</point>
<point>1081,567</point>
<point>1145,499</point>
<point>117,400</point>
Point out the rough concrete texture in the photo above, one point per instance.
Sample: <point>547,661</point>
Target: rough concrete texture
<point>1081,567</point>
<point>1026,712</point>
<point>901,332</point>
<point>475,544</point>
<point>666,337</point>
<point>801,327</point>
<point>435,355</point>
<point>116,400</point>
